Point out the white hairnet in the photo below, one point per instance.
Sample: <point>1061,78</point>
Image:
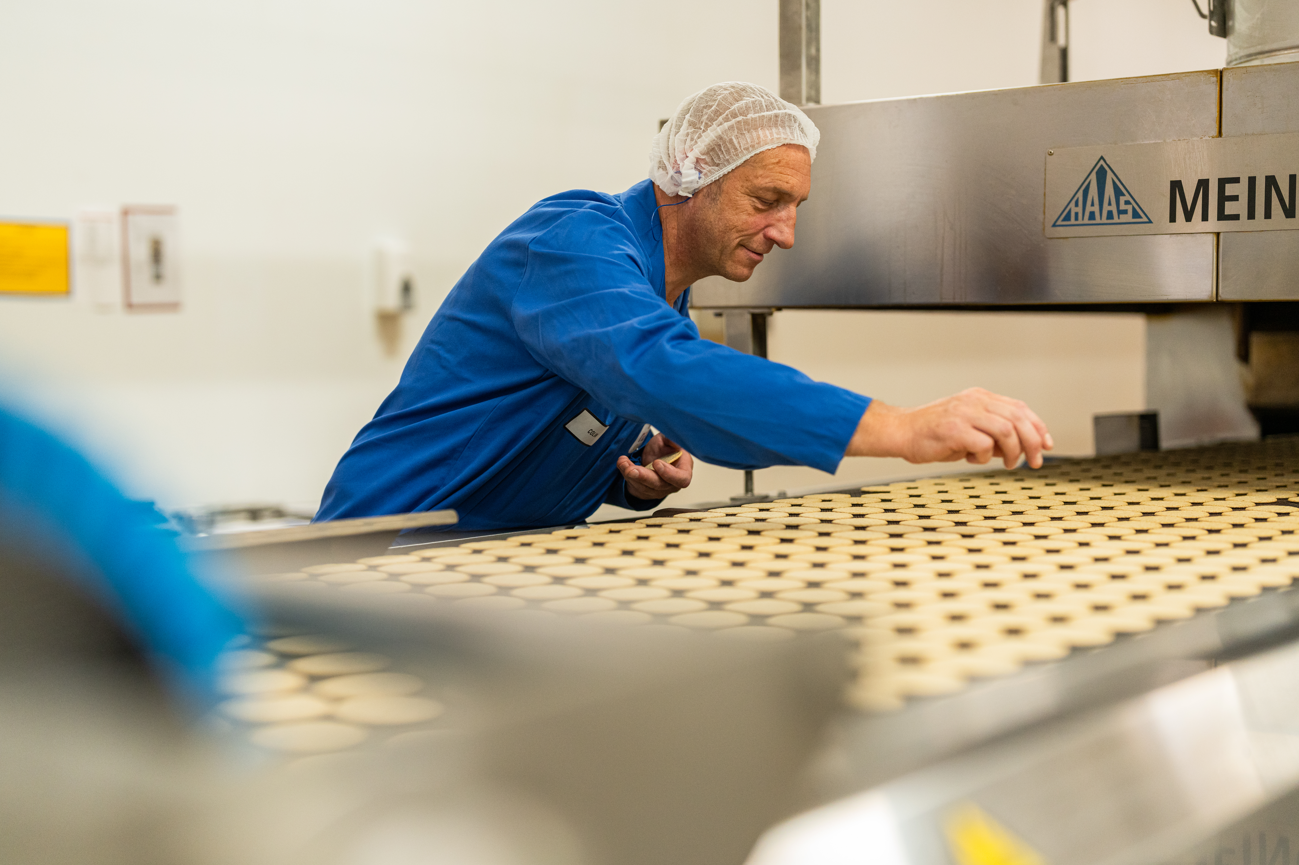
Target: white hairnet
<point>719,128</point>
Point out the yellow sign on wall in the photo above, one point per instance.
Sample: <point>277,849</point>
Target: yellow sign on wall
<point>34,258</point>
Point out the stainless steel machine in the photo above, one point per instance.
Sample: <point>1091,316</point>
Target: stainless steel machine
<point>974,201</point>
<point>931,202</point>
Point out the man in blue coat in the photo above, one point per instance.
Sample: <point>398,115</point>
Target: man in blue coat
<point>529,399</point>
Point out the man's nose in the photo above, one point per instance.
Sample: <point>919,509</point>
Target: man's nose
<point>781,232</point>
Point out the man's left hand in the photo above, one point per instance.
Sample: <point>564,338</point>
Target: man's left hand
<point>656,479</point>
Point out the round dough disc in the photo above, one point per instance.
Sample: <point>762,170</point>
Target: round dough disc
<point>925,684</point>
<point>369,684</point>
<point>461,590</point>
<point>491,602</point>
<point>758,633</point>
<point>434,578</point>
<point>580,605</point>
<point>670,606</point>
<point>764,607</point>
<point>339,664</point>
<point>332,569</point>
<point>249,682</point>
<point>407,568</point>
<point>383,588</point>
<point>710,619</point>
<point>388,710</point>
<point>308,644</point>
<point>619,617</point>
<point>388,560</point>
<point>807,621</point>
<point>309,737</point>
<point>275,708</point>
<point>345,577</point>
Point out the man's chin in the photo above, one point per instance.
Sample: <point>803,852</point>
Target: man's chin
<point>741,272</point>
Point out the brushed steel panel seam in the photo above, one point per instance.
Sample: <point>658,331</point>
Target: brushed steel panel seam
<point>1259,265</point>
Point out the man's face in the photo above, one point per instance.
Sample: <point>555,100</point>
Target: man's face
<point>732,224</point>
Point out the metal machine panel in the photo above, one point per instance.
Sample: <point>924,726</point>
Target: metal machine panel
<point>939,201</point>
<point>1238,183</point>
<point>1260,265</point>
<point>1262,31</point>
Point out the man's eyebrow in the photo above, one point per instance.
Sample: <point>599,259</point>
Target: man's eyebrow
<point>777,192</point>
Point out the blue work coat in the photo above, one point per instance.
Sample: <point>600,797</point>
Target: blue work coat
<point>545,363</point>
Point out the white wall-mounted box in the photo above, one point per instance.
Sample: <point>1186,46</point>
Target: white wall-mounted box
<point>150,254</point>
<point>97,266</point>
<point>394,284</point>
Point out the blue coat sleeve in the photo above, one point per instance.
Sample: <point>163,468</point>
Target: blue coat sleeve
<point>586,310</point>
<point>137,570</point>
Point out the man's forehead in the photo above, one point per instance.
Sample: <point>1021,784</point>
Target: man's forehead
<point>787,172</point>
<point>784,155</point>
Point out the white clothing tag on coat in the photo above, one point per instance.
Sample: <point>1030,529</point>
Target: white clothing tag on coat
<point>640,439</point>
<point>585,428</point>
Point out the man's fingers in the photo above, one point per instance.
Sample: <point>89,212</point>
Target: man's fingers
<point>1040,426</point>
<point>1031,441</point>
<point>658,446</point>
<point>624,465</point>
<point>1026,440</point>
<point>1003,434</point>
<point>1033,433</point>
<point>1036,440</point>
<point>679,471</point>
<point>975,425</point>
<point>656,479</point>
<point>1028,428</point>
<point>979,447</point>
<point>654,447</point>
<point>633,472</point>
<point>1022,411</point>
<point>678,477</point>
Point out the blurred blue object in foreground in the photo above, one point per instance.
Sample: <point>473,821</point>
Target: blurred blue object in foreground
<point>53,496</point>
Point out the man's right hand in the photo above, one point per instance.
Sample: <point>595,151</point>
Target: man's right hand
<point>975,425</point>
<point>657,478</point>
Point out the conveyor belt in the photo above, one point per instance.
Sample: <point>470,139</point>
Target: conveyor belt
<point>942,582</point>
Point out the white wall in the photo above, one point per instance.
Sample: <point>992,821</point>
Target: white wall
<point>290,133</point>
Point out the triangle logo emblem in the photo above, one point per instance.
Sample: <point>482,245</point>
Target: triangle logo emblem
<point>1101,199</point>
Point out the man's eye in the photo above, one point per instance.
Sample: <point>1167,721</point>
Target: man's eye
<point>765,203</point>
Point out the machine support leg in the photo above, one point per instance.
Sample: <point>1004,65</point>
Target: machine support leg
<point>800,51</point>
<point>746,331</point>
<point>1055,42</point>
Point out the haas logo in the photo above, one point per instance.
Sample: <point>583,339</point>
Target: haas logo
<point>1101,199</point>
